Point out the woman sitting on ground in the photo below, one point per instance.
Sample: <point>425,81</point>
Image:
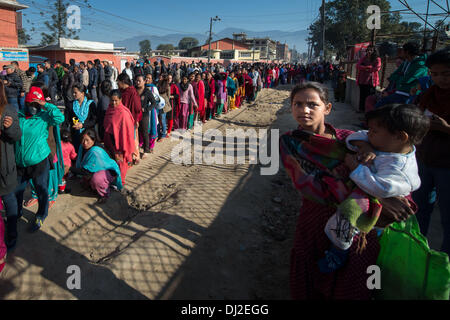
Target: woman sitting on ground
<point>99,171</point>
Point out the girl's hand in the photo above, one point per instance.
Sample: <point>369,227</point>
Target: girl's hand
<point>439,124</point>
<point>118,157</point>
<point>439,121</point>
<point>78,126</point>
<point>40,102</point>
<point>394,210</point>
<point>7,122</point>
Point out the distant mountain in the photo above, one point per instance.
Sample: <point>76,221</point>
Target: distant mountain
<point>297,38</point>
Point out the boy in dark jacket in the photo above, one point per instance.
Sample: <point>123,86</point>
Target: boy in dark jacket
<point>13,86</point>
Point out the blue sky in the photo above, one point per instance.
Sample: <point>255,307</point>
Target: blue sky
<point>164,17</point>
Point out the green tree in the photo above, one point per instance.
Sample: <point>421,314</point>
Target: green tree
<point>57,25</point>
<point>165,47</point>
<point>145,47</point>
<point>23,36</point>
<point>187,43</point>
<point>346,24</point>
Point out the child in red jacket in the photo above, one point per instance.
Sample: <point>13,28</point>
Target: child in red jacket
<point>69,155</point>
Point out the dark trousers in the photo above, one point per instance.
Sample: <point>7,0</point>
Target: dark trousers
<point>14,201</point>
<point>21,101</point>
<point>143,130</point>
<point>339,92</point>
<point>434,189</point>
<point>93,93</point>
<point>162,127</point>
<point>13,102</point>
<point>365,90</point>
<point>52,92</point>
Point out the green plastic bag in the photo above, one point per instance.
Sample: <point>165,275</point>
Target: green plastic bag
<point>410,270</point>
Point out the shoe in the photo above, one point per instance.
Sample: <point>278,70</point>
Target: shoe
<point>10,243</point>
<point>36,225</point>
<point>340,231</point>
<point>102,200</point>
<point>30,202</point>
<point>334,259</point>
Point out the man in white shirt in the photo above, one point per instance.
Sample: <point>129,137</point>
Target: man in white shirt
<point>128,71</point>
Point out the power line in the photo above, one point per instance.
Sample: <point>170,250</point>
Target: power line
<point>268,15</point>
<point>93,23</point>
<point>130,20</point>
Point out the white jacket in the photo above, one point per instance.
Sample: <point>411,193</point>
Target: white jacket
<point>390,175</point>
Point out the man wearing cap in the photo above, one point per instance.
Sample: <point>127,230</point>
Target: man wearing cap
<point>13,85</point>
<point>33,155</point>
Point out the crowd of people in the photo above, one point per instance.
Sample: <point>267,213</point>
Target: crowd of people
<point>355,184</point>
<point>112,120</point>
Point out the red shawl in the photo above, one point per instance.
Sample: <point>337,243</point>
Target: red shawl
<point>119,123</point>
<point>199,92</point>
<point>132,100</point>
<point>174,91</point>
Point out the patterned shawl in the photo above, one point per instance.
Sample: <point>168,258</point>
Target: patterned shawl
<point>315,165</point>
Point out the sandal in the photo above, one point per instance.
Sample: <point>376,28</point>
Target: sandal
<point>50,204</point>
<point>102,200</point>
<point>30,202</point>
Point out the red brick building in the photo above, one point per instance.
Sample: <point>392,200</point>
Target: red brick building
<point>10,23</point>
<point>81,50</point>
<point>225,44</point>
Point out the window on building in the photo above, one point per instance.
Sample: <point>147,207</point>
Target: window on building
<point>227,55</point>
<point>245,54</point>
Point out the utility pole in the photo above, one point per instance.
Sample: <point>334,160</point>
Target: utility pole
<point>210,35</point>
<point>323,29</point>
<point>253,60</point>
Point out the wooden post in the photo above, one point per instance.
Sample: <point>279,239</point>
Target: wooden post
<point>383,70</point>
<point>435,40</point>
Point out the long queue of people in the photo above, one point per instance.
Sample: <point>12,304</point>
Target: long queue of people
<point>88,123</point>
